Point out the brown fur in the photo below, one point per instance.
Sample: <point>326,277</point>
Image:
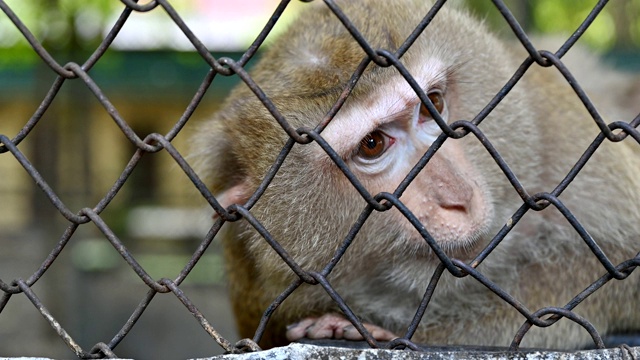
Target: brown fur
<point>540,128</point>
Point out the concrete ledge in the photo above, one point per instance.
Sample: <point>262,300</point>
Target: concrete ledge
<point>306,351</point>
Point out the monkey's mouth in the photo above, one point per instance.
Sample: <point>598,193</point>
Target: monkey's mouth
<point>460,229</point>
<point>460,232</point>
<point>457,241</point>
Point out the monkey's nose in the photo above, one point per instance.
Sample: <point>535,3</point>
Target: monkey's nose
<point>450,189</point>
<point>454,196</point>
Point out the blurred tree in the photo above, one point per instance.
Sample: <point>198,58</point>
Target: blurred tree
<point>58,22</point>
<point>616,27</point>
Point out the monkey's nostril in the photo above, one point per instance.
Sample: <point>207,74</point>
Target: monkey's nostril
<point>454,197</point>
<point>455,207</point>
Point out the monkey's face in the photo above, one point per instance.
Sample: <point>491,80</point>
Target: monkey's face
<point>383,135</point>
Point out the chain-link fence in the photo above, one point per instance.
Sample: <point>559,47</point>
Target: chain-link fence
<point>75,71</point>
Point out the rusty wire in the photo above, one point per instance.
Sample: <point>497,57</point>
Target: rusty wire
<point>75,71</point>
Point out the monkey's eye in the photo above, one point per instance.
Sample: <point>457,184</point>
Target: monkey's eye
<point>373,145</point>
<point>437,99</point>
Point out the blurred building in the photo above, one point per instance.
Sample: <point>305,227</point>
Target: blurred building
<point>150,78</point>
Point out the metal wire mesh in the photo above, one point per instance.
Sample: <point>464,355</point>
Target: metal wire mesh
<point>79,72</point>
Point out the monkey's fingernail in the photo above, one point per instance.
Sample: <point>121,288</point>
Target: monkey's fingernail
<point>291,326</point>
<point>348,328</point>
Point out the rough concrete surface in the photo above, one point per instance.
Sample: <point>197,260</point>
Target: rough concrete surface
<point>306,351</point>
<point>298,351</point>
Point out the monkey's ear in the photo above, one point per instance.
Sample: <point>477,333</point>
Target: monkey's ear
<point>230,184</point>
<point>217,163</point>
<point>236,194</point>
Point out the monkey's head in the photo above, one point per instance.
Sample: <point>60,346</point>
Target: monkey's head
<point>380,133</point>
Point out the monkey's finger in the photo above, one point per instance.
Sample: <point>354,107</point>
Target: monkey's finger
<point>328,326</point>
<point>298,330</point>
<point>317,331</point>
<point>333,326</point>
<point>378,333</point>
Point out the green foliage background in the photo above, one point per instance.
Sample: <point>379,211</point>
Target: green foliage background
<point>616,27</point>
<point>63,24</point>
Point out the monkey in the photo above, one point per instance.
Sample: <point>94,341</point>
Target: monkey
<point>461,197</point>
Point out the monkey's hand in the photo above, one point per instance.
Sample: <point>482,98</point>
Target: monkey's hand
<point>334,326</point>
